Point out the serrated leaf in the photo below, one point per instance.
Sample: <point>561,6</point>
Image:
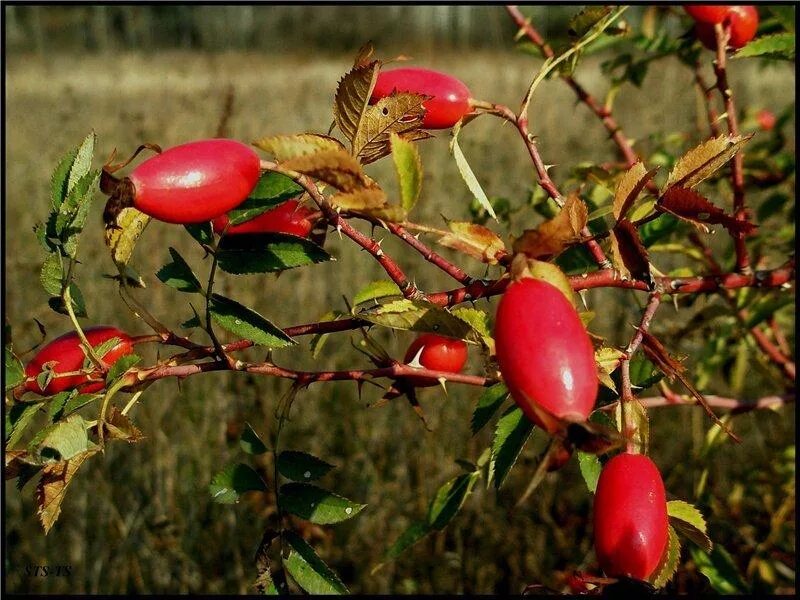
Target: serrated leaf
<point>203,233</point>
<point>607,360</point>
<point>376,290</point>
<point>352,98</point>
<point>689,521</point>
<point>552,237</point>
<point>334,167</point>
<point>233,481</point>
<point>52,487</point>
<point>59,179</point>
<point>121,240</point>
<point>477,319</point>
<point>704,160</point>
<point>449,499</point>
<point>778,45</point>
<point>628,254</point>
<point>419,316</point>
<point>316,504</point>
<point>630,185</point>
<point>690,206</point>
<point>246,323</point>
<point>669,562</point>
<point>83,161</point>
<point>72,213</point>
<point>55,409</point>
<point>308,569</point>
<point>119,427</point>
<point>408,165</point>
<point>13,371</point>
<point>66,439</point>
<point>78,220</point>
<point>488,404</point>
<point>467,174</point>
<point>299,466</point>
<point>284,147</point>
<point>179,275</point>
<point>720,570</point>
<point>271,190</point>
<point>250,441</point>
<point>18,417</point>
<point>512,431</point>
<point>590,467</point>
<point>364,199</point>
<point>474,240</point>
<point>121,365</point>
<point>250,253</point>
<point>412,534</point>
<point>400,113</point>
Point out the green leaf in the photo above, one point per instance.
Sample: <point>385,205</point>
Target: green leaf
<point>765,307</point>
<point>316,504</point>
<point>121,365</point>
<point>83,161</point>
<point>688,520</point>
<point>179,275</point>
<point>246,323</point>
<point>13,371</point>
<point>582,23</point>
<point>248,253</point>
<point>779,45</point>
<point>467,175</point>
<point>644,373</point>
<point>65,439</point>
<point>78,221</point>
<point>78,402</point>
<point>78,303</point>
<point>449,499</point>
<point>419,316</point>
<point>477,319</point>
<point>784,13</point>
<point>408,165</point>
<point>413,533</point>
<point>233,481</point>
<point>51,275</point>
<point>720,570</point>
<point>308,569</point>
<point>203,233</point>
<point>318,340</point>
<point>299,466</point>
<point>18,417</point>
<point>512,431</point>
<point>250,441</point>
<point>487,406</point>
<point>58,181</point>
<point>590,469</point>
<point>669,562</point>
<point>73,209</point>
<point>375,290</point>
<point>271,190</point>
<point>55,410</point>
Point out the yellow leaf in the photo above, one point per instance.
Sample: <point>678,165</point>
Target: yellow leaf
<point>475,240</point>
<point>284,147</point>
<point>554,236</point>
<point>122,239</point>
<point>334,167</point>
<point>53,485</point>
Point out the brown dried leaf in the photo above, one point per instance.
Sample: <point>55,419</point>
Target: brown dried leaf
<point>53,485</point>
<point>378,151</point>
<point>628,254</point>
<point>630,185</point>
<point>401,113</point>
<point>334,167</point>
<point>690,206</point>
<point>358,200</point>
<point>704,160</point>
<point>593,438</point>
<point>655,351</point>
<point>119,427</point>
<point>364,54</point>
<point>475,240</point>
<point>16,461</point>
<point>352,98</point>
<point>284,147</point>
<point>554,236</point>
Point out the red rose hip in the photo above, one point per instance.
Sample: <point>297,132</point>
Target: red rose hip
<point>766,120</point>
<point>707,13</point>
<point>450,97</point>
<point>438,353</point>
<point>743,21</point>
<point>290,217</point>
<point>631,526</point>
<point>195,182</point>
<point>545,354</point>
<point>65,351</point>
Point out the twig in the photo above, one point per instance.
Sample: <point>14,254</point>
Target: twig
<point>732,404</point>
<point>713,117</point>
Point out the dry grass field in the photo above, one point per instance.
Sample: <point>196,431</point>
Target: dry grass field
<point>140,518</point>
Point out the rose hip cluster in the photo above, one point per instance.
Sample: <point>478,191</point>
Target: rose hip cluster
<point>742,19</point>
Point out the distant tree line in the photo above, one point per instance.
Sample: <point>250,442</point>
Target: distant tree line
<point>101,28</point>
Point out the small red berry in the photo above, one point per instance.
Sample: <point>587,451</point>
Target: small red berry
<point>766,120</point>
<point>544,353</point>
<point>195,182</point>
<point>437,353</point>
<point>743,21</point>
<point>450,97</point>
<point>707,13</point>
<point>631,526</point>
<point>290,217</point>
<point>68,356</point>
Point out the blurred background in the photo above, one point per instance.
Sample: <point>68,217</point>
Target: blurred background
<point>140,518</point>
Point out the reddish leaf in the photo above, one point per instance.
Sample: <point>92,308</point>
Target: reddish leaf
<point>630,185</point>
<point>689,205</point>
<point>552,237</point>
<point>629,254</point>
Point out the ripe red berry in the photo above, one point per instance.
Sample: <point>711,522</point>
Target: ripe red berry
<point>450,99</point>
<point>195,182</point>
<point>289,217</point>
<point>630,517</point>
<point>545,354</point>
<point>438,353</point>
<point>707,13</point>
<point>743,21</point>
<point>68,356</point>
<point>766,119</point>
